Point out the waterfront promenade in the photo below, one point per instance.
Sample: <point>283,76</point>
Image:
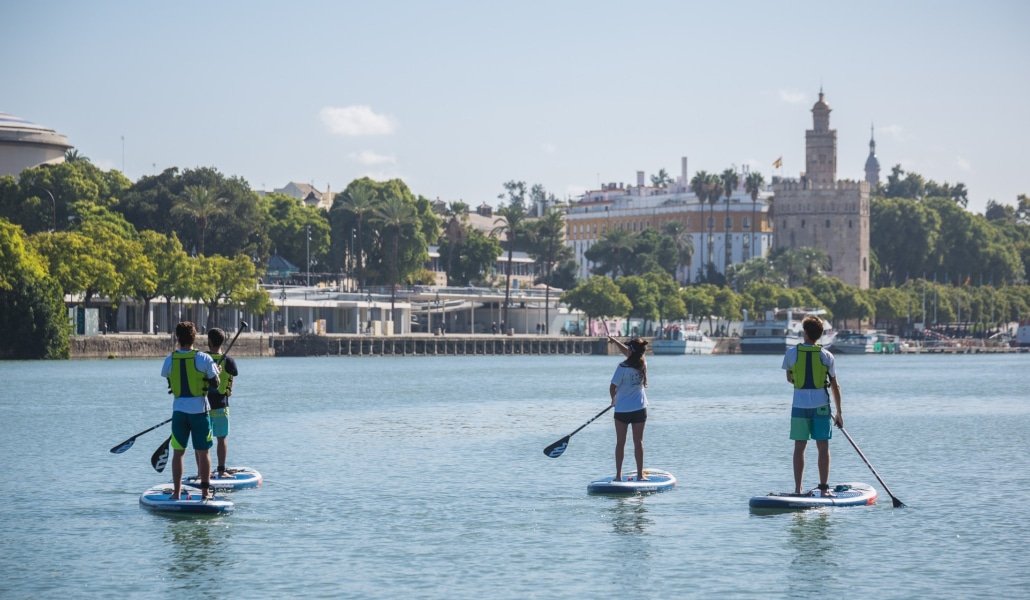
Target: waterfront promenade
<point>269,345</point>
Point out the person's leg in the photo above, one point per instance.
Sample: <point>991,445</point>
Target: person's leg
<point>222,451</point>
<point>620,445</point>
<point>177,472</point>
<point>638,448</point>
<point>824,463</point>
<point>204,465</point>
<point>799,463</point>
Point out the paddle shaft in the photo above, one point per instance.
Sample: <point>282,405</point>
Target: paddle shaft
<point>122,447</point>
<point>609,407</point>
<point>894,499</point>
<point>160,456</point>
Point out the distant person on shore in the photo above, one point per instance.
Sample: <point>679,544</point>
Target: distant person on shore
<point>630,401</point>
<point>190,373</point>
<point>218,396</point>
<point>811,369</point>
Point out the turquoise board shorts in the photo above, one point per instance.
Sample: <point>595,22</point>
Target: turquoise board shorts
<point>196,425</point>
<point>220,422</point>
<point>810,423</point>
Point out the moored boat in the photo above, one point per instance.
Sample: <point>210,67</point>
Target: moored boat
<point>780,329</point>
<point>682,339</point>
<point>855,342</point>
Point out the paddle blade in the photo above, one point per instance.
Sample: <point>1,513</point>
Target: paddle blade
<point>897,503</point>
<point>160,456</point>
<point>123,446</point>
<point>558,448</point>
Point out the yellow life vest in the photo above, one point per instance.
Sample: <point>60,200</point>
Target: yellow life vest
<point>224,378</point>
<point>809,371</point>
<point>185,380</point>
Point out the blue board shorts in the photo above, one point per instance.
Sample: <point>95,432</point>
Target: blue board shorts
<point>810,423</point>
<point>220,422</point>
<point>186,425</point>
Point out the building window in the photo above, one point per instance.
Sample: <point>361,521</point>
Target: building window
<point>827,223</point>
<point>802,223</point>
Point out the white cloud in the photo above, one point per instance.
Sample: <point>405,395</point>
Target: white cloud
<point>964,164</point>
<point>896,132</point>
<point>367,157</point>
<point>548,148</point>
<point>792,96</point>
<point>356,120</point>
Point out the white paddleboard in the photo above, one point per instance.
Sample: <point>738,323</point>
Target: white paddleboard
<point>236,478</point>
<point>656,480</point>
<point>844,494</point>
<point>159,499</point>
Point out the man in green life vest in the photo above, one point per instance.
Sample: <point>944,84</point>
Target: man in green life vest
<point>811,369</point>
<point>190,373</point>
<point>218,396</point>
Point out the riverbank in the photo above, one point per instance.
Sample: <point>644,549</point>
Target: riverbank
<point>268,345</point>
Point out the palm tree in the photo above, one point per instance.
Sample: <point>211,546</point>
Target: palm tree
<point>360,202</point>
<point>699,185</point>
<point>683,241</point>
<point>396,216</point>
<point>72,155</point>
<point>662,179</point>
<point>730,179</point>
<point>510,224</point>
<point>200,204</point>
<point>753,184</point>
<point>714,185</point>
<point>548,236</point>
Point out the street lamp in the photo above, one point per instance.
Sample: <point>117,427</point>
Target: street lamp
<point>307,230</point>
<point>53,207</point>
<point>438,305</point>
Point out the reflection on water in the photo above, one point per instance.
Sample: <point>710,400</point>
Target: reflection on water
<point>629,515</point>
<point>812,539</point>
<point>197,547</point>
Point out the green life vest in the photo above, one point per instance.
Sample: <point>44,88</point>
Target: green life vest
<point>224,378</point>
<point>185,380</point>
<point>809,371</point>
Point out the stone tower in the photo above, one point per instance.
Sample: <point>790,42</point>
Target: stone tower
<point>817,211</point>
<point>872,165</point>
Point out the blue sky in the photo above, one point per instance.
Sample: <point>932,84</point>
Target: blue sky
<point>458,97</point>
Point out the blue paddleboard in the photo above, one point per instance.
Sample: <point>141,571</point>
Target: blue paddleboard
<point>236,478</point>
<point>657,481</point>
<point>844,494</point>
<point>159,499</point>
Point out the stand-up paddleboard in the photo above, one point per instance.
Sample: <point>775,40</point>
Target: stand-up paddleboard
<point>844,494</point>
<point>159,499</point>
<point>236,478</point>
<point>657,481</point>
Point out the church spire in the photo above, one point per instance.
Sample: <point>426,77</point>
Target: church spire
<point>872,165</point>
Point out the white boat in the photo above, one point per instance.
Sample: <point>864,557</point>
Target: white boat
<point>1022,338</point>
<point>682,339</point>
<point>779,330</point>
<point>855,342</point>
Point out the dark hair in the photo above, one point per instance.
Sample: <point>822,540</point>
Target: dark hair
<point>185,333</point>
<point>637,348</point>
<point>215,337</point>
<point>813,327</point>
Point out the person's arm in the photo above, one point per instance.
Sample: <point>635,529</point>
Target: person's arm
<point>611,392</point>
<point>835,388</point>
<point>622,347</point>
<point>230,366</point>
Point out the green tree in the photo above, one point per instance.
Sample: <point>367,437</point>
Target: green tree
<point>683,242</point>
<point>547,248</point>
<point>298,231</point>
<point>201,205</point>
<point>612,254</point>
<point>699,300</point>
<point>359,201</point>
<point>510,223</point>
<point>662,179</point>
<point>643,295</point>
<point>753,183</point>
<point>730,179</point>
<point>598,297</point>
<point>32,311</point>
<point>700,185</point>
<point>468,257</point>
<point>398,219</point>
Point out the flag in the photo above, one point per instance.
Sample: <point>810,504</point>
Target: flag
<point>778,163</point>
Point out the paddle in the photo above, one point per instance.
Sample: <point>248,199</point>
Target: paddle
<point>894,499</point>
<point>558,448</point>
<point>129,442</point>
<point>159,458</point>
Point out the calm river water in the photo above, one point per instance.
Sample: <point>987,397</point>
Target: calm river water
<point>425,478</point>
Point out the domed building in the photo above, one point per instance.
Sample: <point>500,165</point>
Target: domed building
<point>24,144</point>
